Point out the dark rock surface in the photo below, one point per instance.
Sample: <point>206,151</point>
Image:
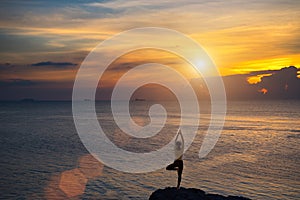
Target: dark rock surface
<point>189,194</point>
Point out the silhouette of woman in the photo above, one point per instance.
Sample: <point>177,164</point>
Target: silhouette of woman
<point>178,162</point>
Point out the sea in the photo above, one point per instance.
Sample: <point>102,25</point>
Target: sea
<point>42,157</point>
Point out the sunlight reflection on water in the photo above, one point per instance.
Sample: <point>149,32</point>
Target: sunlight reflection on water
<point>257,155</point>
<point>72,183</point>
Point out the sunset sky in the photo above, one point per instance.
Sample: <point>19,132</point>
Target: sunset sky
<point>44,42</point>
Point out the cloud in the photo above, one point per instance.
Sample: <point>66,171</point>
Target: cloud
<point>281,84</point>
<point>22,43</point>
<point>54,64</point>
<point>50,72</point>
<point>17,82</point>
<point>233,32</point>
<point>241,38</point>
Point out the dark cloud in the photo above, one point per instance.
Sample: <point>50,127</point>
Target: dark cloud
<point>5,66</point>
<point>237,88</point>
<point>17,82</point>
<point>123,66</point>
<point>282,84</point>
<point>54,64</point>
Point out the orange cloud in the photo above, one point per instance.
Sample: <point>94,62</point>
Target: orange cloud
<point>257,78</point>
<point>263,91</point>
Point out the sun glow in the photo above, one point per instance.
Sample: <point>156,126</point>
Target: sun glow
<point>267,64</point>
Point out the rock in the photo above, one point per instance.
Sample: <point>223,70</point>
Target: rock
<point>189,194</point>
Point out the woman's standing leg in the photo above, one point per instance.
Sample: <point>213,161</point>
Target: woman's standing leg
<point>179,172</point>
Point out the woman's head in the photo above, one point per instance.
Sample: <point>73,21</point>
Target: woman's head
<point>178,145</point>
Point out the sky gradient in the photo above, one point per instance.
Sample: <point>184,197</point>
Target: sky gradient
<point>44,42</point>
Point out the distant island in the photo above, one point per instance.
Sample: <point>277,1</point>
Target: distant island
<point>190,194</point>
<point>138,99</point>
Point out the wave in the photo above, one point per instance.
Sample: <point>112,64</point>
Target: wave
<point>294,136</point>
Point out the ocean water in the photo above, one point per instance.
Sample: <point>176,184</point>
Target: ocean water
<point>42,157</point>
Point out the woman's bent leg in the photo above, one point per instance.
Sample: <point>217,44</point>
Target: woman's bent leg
<point>171,167</point>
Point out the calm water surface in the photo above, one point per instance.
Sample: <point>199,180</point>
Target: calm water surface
<point>42,157</point>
